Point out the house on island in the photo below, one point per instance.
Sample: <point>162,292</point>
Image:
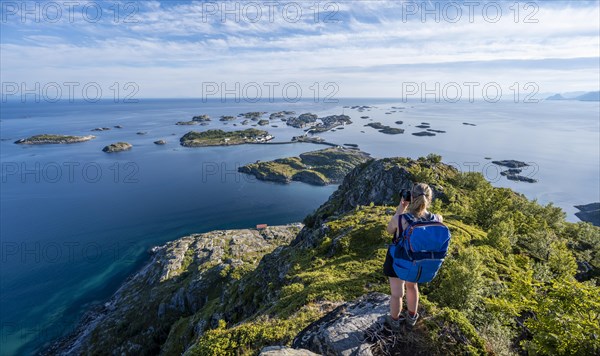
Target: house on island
<point>261,226</point>
<point>263,138</point>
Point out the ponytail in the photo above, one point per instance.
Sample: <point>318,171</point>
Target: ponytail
<point>421,199</point>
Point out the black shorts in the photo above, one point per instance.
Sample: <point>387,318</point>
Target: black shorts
<point>388,269</point>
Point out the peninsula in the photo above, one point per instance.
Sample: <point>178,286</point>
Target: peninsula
<point>322,167</point>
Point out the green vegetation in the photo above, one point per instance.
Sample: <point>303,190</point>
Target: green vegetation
<point>512,282</point>
<point>220,137</point>
<point>48,138</point>
<point>508,285</point>
<point>246,338</point>
<point>320,167</point>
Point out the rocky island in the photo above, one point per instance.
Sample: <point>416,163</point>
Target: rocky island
<point>53,139</point>
<point>326,166</point>
<point>117,147</point>
<point>515,168</point>
<point>511,163</point>
<point>224,138</point>
<point>187,123</point>
<point>313,123</point>
<point>281,114</point>
<point>253,115</point>
<point>589,213</point>
<point>201,118</point>
<point>302,120</point>
<point>329,122</point>
<point>385,129</point>
<point>423,134</point>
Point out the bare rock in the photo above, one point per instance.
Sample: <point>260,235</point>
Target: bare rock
<point>344,331</point>
<point>285,351</point>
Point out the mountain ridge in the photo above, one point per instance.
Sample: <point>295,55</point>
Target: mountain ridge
<point>589,96</point>
<point>510,259</point>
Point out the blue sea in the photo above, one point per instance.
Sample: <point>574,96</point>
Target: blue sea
<point>76,221</point>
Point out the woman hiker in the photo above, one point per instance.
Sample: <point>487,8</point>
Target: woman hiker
<point>416,204</point>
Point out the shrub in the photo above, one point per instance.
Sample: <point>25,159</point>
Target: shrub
<point>567,320</point>
<point>460,281</point>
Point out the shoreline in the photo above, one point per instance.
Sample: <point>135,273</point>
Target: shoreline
<point>160,259</point>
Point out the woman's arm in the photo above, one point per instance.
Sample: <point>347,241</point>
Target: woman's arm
<point>393,224</point>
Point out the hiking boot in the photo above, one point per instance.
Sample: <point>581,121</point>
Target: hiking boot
<point>394,324</point>
<point>411,320</point>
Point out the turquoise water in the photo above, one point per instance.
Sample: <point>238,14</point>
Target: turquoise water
<point>77,224</point>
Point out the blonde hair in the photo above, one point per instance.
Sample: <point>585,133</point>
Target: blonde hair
<point>421,197</point>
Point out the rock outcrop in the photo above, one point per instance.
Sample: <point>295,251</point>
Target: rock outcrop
<point>346,330</point>
<point>381,182</point>
<point>359,328</point>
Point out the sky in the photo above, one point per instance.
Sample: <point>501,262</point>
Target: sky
<point>250,49</point>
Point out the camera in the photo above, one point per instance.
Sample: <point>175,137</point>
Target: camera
<point>405,194</point>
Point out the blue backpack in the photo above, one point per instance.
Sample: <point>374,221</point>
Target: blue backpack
<point>419,252</point>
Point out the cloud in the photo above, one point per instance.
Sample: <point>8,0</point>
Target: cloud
<point>171,41</point>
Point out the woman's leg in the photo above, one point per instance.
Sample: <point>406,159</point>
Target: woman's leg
<point>397,289</point>
<point>412,297</point>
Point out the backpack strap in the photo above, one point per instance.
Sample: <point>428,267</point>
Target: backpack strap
<point>410,219</point>
<point>399,231</point>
